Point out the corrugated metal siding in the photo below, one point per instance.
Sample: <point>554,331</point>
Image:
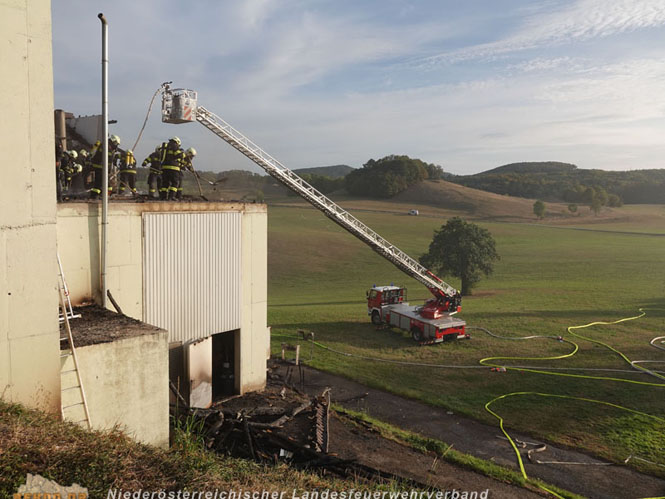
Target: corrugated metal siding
<point>192,277</point>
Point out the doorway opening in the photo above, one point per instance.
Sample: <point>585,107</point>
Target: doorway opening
<point>224,364</point>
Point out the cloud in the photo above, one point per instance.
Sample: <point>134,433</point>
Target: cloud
<point>578,22</point>
<point>314,83</point>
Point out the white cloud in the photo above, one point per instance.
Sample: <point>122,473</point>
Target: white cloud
<point>271,69</point>
<point>580,21</point>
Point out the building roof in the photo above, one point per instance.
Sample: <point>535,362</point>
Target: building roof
<point>98,325</point>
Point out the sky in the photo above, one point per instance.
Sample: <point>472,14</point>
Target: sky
<point>465,85</point>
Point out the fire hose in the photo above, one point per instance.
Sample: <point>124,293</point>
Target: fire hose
<point>491,362</point>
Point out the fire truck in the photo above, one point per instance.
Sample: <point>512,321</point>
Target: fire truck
<point>432,322</point>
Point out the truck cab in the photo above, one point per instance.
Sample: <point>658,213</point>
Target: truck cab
<point>380,297</point>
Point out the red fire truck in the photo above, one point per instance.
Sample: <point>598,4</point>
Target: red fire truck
<point>426,323</point>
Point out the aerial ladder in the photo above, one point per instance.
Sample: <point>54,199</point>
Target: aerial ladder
<point>430,323</point>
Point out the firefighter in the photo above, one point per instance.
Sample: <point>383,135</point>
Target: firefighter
<point>127,168</point>
<point>70,168</point>
<point>155,175</point>
<point>96,161</point>
<point>171,158</point>
<point>58,169</point>
<point>186,164</point>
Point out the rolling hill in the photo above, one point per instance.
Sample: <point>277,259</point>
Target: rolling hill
<point>555,181</point>
<point>475,203</point>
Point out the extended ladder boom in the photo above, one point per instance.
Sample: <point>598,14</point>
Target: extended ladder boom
<point>333,211</point>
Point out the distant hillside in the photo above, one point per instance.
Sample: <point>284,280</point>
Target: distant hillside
<point>481,205</point>
<point>474,203</point>
<point>554,181</point>
<point>334,171</point>
<point>533,167</point>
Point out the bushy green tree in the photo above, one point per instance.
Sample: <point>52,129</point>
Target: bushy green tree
<point>386,177</point>
<point>462,249</point>
<point>601,195</point>
<point>539,209</point>
<point>614,201</point>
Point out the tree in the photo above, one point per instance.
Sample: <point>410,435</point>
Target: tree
<point>601,195</point>
<point>463,250</point>
<point>386,177</point>
<point>596,205</point>
<point>614,201</point>
<point>539,209</point>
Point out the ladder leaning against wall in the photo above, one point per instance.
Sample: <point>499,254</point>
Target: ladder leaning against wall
<point>73,404</point>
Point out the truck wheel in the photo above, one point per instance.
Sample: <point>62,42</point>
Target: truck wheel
<point>376,318</point>
<point>416,334</point>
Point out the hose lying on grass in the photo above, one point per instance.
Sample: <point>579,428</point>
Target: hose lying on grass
<point>491,363</point>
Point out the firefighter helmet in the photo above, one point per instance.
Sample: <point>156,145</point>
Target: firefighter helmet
<point>114,139</point>
<point>191,152</point>
<point>72,154</point>
<point>83,153</point>
<point>176,140</point>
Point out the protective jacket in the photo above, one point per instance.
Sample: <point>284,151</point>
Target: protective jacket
<point>154,161</point>
<point>171,159</point>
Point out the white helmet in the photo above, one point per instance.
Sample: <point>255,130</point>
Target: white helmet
<point>176,140</point>
<point>115,139</point>
<point>83,153</point>
<point>73,154</point>
<point>191,152</point>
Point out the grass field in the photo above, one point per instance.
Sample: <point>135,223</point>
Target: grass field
<point>547,279</point>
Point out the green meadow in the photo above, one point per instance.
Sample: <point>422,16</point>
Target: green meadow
<point>547,280</point>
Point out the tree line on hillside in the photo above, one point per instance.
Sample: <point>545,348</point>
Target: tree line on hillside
<point>547,181</point>
<point>564,182</point>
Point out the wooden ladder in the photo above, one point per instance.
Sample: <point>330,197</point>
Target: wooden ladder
<point>73,404</point>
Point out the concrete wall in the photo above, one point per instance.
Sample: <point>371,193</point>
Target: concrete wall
<point>29,345</point>
<point>254,341</point>
<point>79,233</point>
<point>126,382</point>
<point>78,236</point>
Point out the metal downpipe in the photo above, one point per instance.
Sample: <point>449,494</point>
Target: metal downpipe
<point>105,154</point>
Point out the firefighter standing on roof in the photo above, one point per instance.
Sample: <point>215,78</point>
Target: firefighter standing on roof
<point>171,158</point>
<point>96,161</point>
<point>59,153</point>
<point>70,168</point>
<point>186,165</point>
<point>155,175</point>
<point>127,171</point>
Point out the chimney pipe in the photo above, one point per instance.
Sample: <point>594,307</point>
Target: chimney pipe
<point>60,128</point>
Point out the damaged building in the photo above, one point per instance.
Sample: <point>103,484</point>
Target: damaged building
<point>191,276</point>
